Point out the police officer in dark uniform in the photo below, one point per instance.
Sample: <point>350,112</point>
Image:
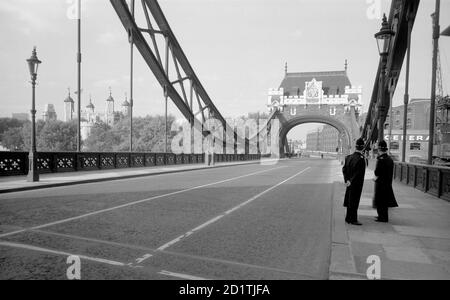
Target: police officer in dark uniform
<point>384,195</point>
<point>354,170</point>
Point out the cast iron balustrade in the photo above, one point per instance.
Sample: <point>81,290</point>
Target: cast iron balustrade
<point>434,180</point>
<point>16,163</point>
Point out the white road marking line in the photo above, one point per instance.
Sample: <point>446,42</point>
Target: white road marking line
<point>39,249</point>
<point>234,263</point>
<point>188,256</point>
<point>134,203</point>
<point>181,237</point>
<point>143,258</point>
<point>182,276</point>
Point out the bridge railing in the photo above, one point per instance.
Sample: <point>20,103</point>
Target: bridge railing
<point>16,163</point>
<point>434,180</point>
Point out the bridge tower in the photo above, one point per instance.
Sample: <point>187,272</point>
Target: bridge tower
<point>318,97</point>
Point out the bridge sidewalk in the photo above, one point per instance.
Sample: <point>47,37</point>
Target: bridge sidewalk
<point>414,245</point>
<point>19,183</point>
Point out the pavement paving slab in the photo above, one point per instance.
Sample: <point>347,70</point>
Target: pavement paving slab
<point>415,244</point>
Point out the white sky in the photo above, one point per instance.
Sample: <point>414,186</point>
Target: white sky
<point>237,47</point>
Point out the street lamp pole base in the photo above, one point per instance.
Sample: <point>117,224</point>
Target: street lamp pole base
<point>33,173</point>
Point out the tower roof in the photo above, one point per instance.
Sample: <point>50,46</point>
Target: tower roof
<point>110,98</point>
<point>333,82</point>
<point>125,103</point>
<point>69,98</point>
<point>90,105</point>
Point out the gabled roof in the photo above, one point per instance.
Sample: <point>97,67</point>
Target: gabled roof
<point>333,83</point>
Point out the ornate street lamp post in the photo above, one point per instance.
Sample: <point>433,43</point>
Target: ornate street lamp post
<point>33,64</point>
<point>383,38</point>
<point>436,33</point>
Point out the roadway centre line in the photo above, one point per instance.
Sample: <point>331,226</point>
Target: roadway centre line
<point>61,253</point>
<point>176,254</point>
<point>134,203</point>
<point>213,220</point>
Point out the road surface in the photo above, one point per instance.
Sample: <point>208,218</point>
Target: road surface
<point>245,222</point>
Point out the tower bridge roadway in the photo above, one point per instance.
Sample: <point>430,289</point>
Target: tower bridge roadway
<point>243,222</point>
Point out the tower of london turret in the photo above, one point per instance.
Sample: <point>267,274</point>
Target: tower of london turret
<point>69,108</point>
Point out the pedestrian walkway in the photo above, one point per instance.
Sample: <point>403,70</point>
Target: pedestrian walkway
<point>19,183</point>
<point>414,245</point>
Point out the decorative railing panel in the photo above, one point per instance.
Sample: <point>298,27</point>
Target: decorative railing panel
<point>150,160</point>
<point>445,192</point>
<point>411,175</point>
<point>16,163</point>
<point>13,163</point>
<point>66,163</point>
<point>170,159</point>
<point>107,161</point>
<point>398,172</point>
<point>434,180</point>
<point>405,174</point>
<point>421,178</point>
<point>160,159</point>
<point>88,161</point>
<point>138,160</point>
<point>45,163</point>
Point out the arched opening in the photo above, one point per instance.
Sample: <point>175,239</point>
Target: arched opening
<point>343,143</point>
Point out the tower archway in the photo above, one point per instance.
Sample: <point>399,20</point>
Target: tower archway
<point>344,134</point>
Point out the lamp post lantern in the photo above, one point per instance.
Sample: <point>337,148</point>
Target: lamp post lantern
<point>33,65</point>
<point>383,38</point>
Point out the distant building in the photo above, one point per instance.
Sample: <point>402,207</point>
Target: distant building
<point>329,139</point>
<point>418,115</point>
<point>110,113</point>
<point>126,108</point>
<point>324,139</point>
<point>313,140</point>
<point>21,116</point>
<point>69,108</point>
<point>90,117</point>
<point>49,113</point>
<point>418,118</point>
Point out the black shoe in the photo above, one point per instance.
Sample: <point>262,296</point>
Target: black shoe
<point>381,220</point>
<point>356,223</point>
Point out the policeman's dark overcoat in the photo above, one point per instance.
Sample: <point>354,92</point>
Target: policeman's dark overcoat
<point>354,170</point>
<point>384,195</point>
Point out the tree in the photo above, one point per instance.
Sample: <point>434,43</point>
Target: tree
<point>57,136</point>
<point>50,136</point>
<point>8,123</point>
<point>148,135</point>
<point>102,139</point>
<point>12,139</point>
